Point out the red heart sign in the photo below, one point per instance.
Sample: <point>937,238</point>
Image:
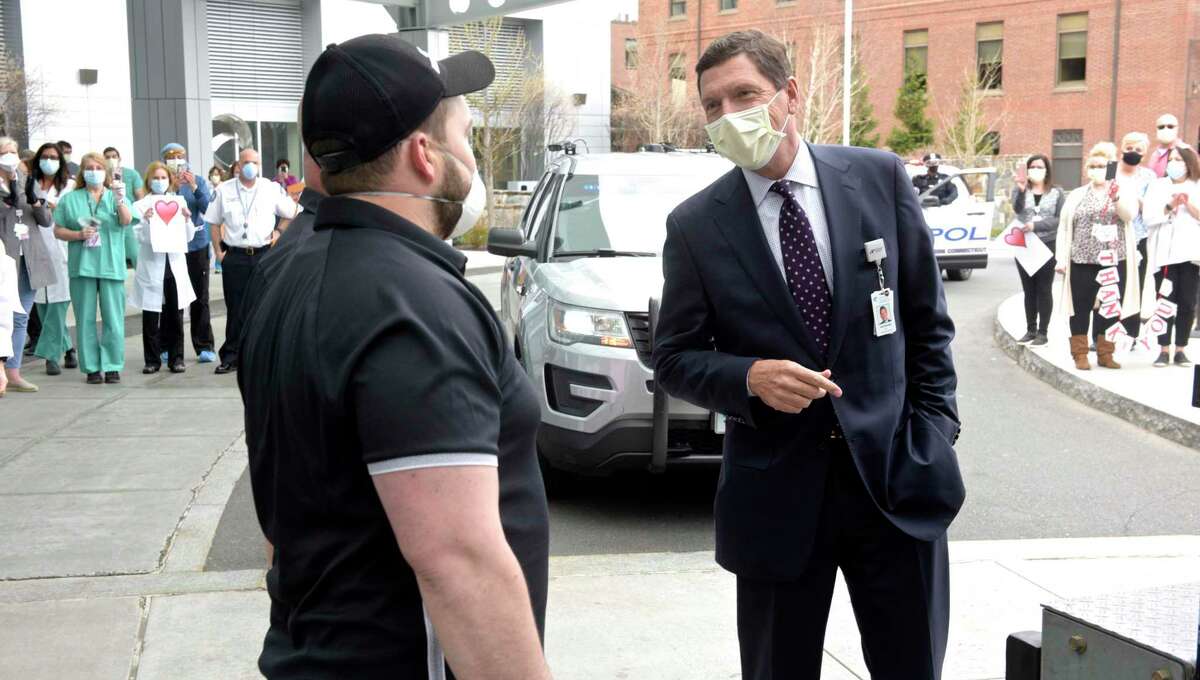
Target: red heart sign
<point>166,210</point>
<point>1015,237</point>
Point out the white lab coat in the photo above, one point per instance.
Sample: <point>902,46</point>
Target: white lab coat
<point>147,291</point>
<point>10,301</point>
<point>60,291</point>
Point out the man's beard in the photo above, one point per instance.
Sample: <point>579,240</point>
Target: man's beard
<point>454,188</point>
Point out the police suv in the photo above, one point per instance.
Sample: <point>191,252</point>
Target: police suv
<point>579,297</point>
<point>962,229</point>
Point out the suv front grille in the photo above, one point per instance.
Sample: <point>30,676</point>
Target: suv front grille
<point>639,328</point>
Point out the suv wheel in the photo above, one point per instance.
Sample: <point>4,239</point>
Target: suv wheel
<point>959,274</point>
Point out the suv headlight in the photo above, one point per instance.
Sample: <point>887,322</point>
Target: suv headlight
<point>569,325</point>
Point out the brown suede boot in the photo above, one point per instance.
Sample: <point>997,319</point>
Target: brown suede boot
<point>1079,352</point>
<point>1104,353</point>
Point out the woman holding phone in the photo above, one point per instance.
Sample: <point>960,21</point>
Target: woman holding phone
<point>1172,214</point>
<point>93,220</point>
<point>1094,236</point>
<point>1038,204</point>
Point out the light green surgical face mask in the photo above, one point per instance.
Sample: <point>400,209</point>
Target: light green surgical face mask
<point>747,137</point>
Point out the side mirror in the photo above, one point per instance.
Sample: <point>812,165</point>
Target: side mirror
<point>930,201</point>
<point>510,243</point>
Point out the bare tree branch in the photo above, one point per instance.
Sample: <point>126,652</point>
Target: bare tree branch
<point>24,106</point>
<point>658,107</point>
<point>967,127</point>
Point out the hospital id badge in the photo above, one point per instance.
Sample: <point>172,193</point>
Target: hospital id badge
<point>1105,233</point>
<point>883,312</point>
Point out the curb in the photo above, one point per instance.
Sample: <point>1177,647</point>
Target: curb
<point>484,270</point>
<point>1150,419</point>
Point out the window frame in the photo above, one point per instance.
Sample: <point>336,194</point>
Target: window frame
<point>673,5</point>
<point>924,48</point>
<point>1058,45</point>
<point>631,50</point>
<point>1067,154</point>
<point>990,74</point>
<point>727,5</point>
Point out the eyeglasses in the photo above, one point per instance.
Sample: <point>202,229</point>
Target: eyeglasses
<point>1166,127</point>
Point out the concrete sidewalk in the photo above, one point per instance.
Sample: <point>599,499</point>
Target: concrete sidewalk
<point>112,495</point>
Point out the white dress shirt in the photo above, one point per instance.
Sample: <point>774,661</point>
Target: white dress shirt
<point>249,213</point>
<point>803,179</point>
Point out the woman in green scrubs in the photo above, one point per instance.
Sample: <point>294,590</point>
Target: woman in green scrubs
<point>92,220</point>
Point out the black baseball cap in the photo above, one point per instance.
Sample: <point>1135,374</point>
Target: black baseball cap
<point>367,94</point>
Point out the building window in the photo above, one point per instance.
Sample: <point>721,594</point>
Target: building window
<point>1067,156</point>
<point>678,75</point>
<point>790,46</point>
<point>630,54</point>
<point>1072,49</point>
<point>916,52</point>
<point>991,143</point>
<point>726,5</point>
<point>989,53</point>
<point>678,8</point>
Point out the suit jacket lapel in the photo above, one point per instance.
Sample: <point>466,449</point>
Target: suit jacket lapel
<point>749,245</point>
<point>840,195</point>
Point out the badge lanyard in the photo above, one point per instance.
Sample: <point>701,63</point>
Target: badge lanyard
<point>246,209</point>
<point>96,208</point>
<point>883,311</point>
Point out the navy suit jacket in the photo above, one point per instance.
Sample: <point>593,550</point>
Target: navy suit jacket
<point>725,305</point>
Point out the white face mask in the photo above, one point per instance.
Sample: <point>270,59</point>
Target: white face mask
<point>748,138</point>
<point>472,206</point>
<point>1176,170</point>
<point>1168,135</point>
<point>9,161</point>
<point>1037,174</point>
<point>1097,175</point>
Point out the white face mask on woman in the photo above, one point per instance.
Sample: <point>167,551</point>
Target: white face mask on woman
<point>1037,174</point>
<point>1097,175</point>
<point>1176,170</point>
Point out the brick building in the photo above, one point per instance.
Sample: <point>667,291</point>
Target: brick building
<point>1048,65</point>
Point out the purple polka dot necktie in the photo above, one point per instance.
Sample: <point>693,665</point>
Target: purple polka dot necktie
<point>802,267</point>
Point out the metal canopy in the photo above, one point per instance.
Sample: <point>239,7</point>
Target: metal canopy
<point>439,13</point>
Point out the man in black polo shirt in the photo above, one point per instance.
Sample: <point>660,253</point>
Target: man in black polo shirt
<point>391,430</point>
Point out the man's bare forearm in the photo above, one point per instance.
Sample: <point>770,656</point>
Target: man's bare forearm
<point>480,608</point>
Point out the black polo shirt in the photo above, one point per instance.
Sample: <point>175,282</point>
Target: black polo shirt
<point>370,353</point>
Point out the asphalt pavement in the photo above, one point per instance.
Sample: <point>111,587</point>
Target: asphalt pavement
<point>1037,465</point>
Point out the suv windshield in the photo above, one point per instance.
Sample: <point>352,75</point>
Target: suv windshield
<point>599,214</point>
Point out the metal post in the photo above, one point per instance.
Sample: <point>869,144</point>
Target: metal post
<point>847,65</point>
<point>1112,106</point>
<point>662,416</point>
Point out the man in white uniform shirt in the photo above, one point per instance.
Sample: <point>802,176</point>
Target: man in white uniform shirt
<point>243,215</point>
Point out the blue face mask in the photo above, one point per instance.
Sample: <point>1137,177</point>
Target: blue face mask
<point>159,186</point>
<point>94,178</point>
<point>249,171</point>
<point>48,166</point>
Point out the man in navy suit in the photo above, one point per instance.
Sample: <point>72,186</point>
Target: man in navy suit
<point>803,301</point>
